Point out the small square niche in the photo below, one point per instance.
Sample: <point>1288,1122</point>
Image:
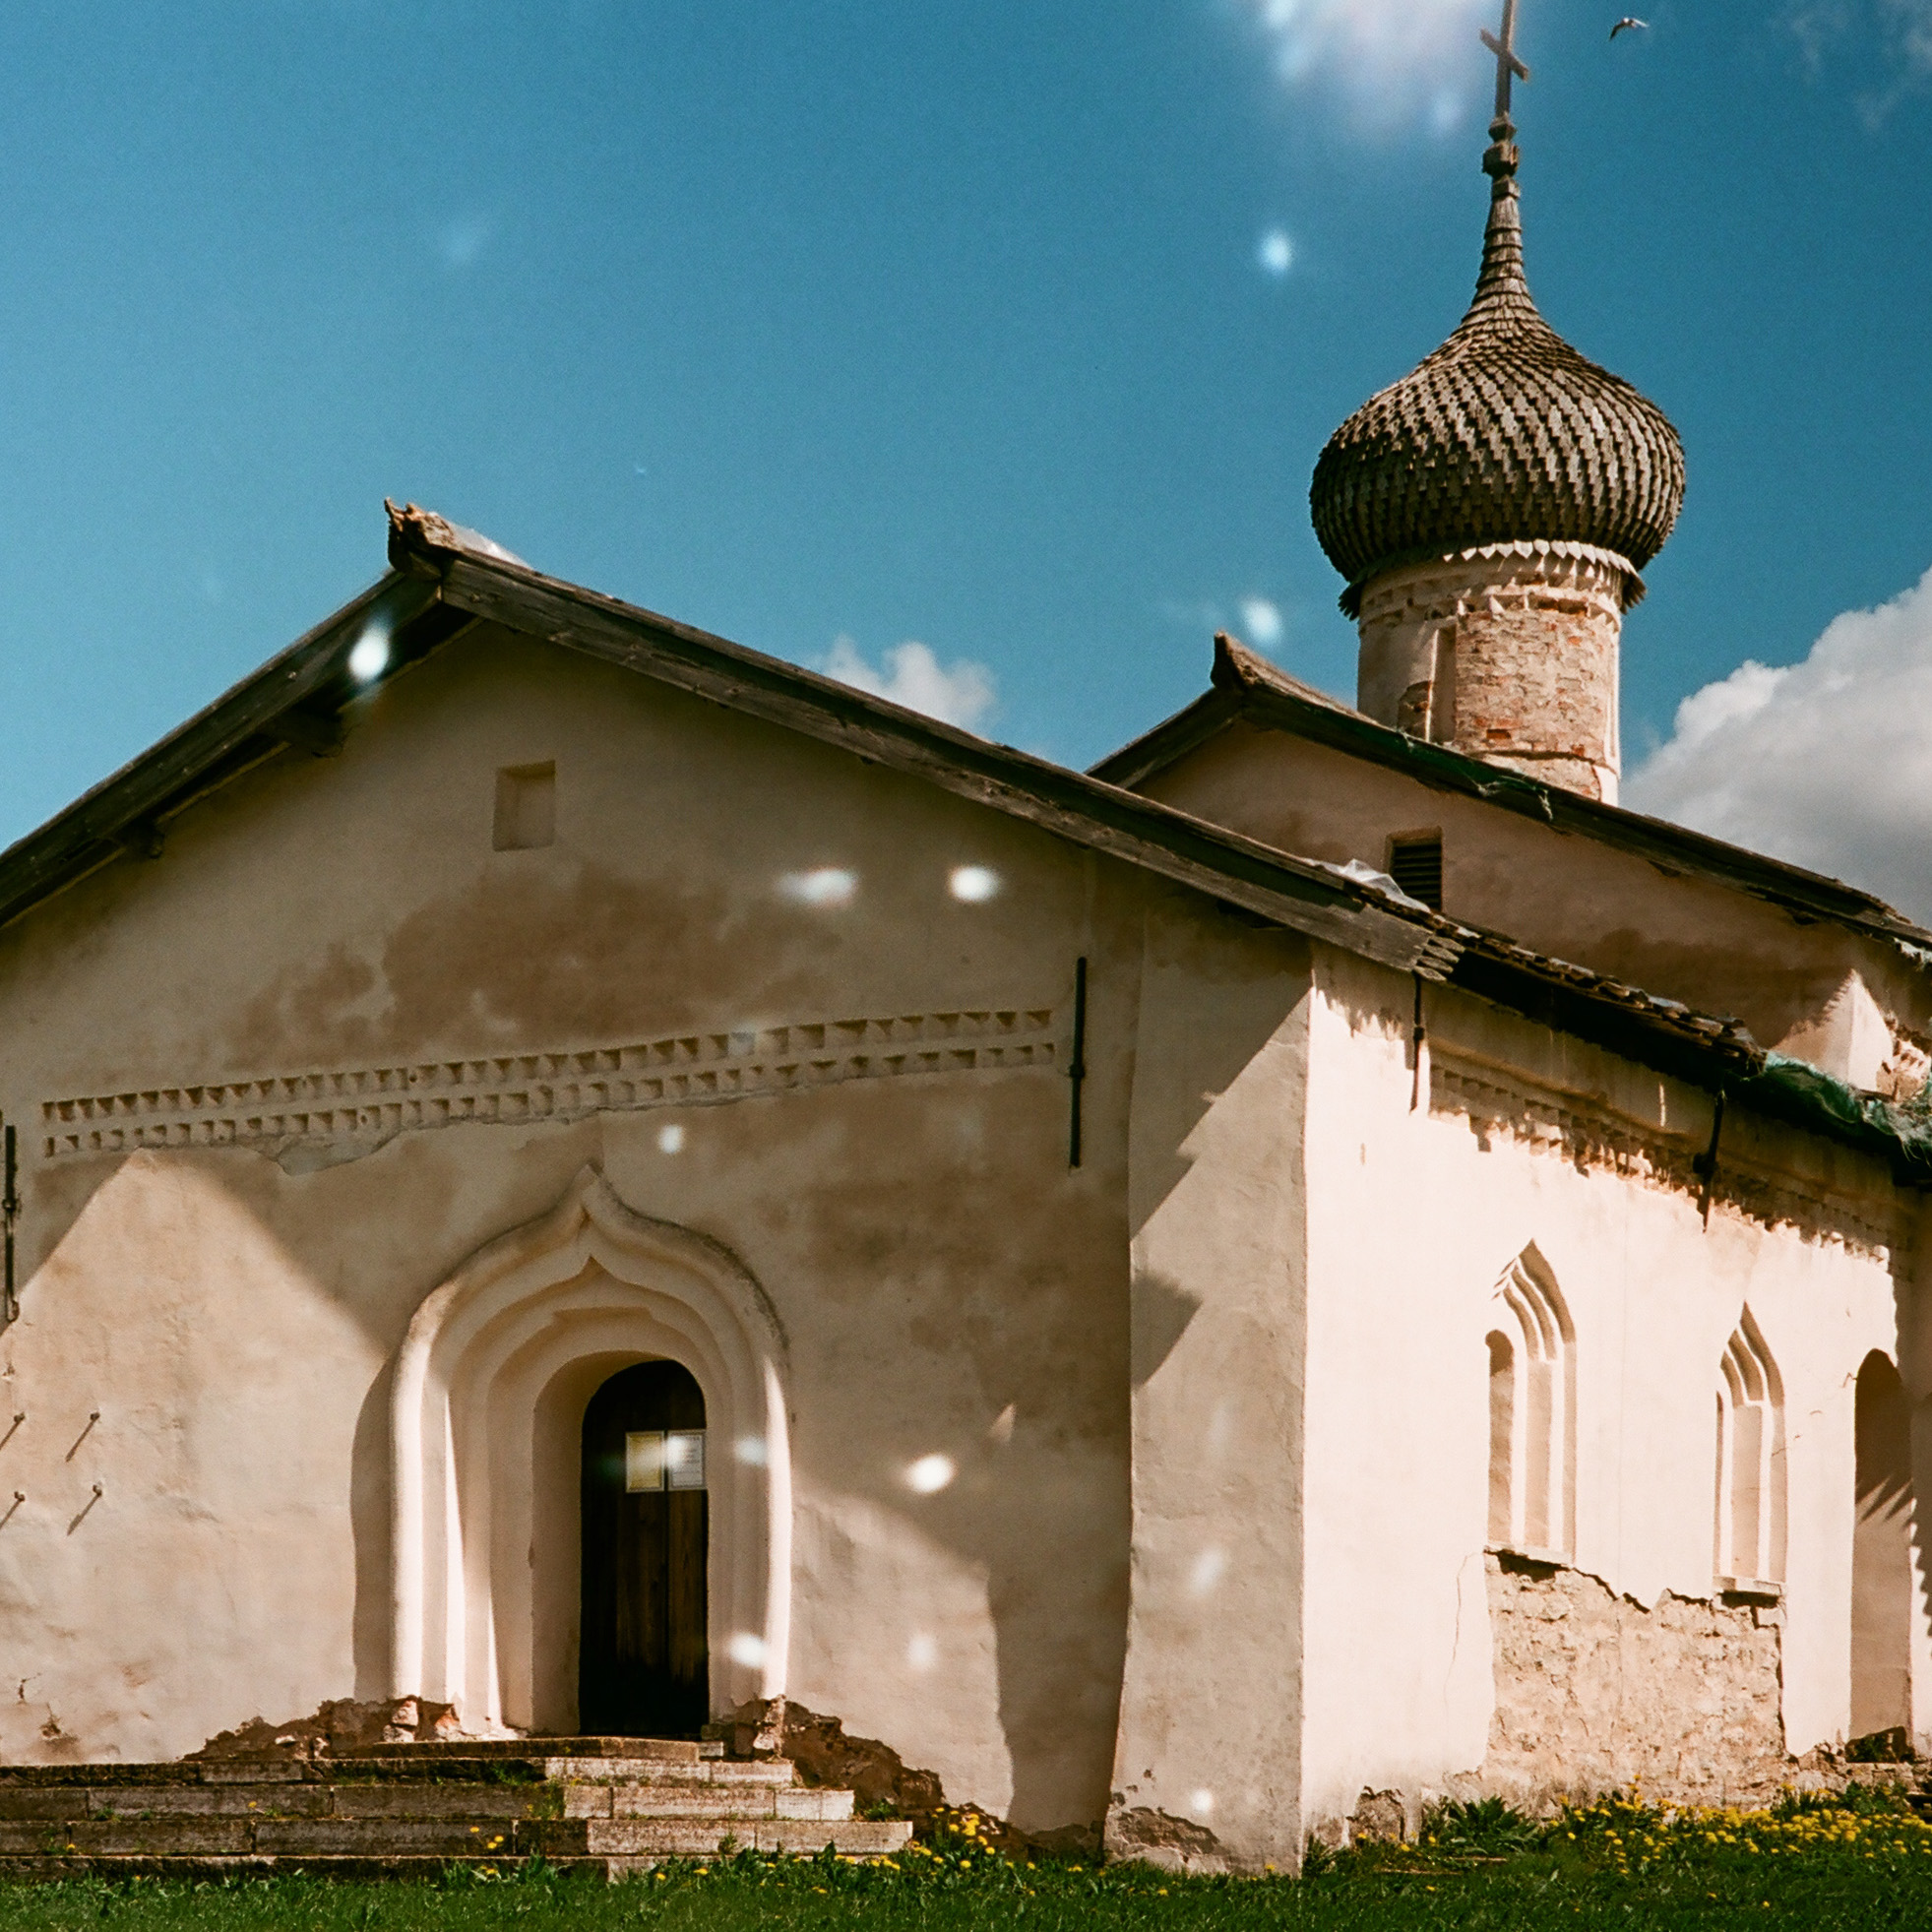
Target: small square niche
<point>526,807</point>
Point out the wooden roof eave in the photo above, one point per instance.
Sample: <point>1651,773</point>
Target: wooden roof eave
<point>1301,895</point>
<point>433,594</point>
<point>1252,692</point>
<point>301,684</point>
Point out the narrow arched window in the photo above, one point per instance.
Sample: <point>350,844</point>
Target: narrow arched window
<point>1750,1530</point>
<point>1502,1437</point>
<point>1533,1413</point>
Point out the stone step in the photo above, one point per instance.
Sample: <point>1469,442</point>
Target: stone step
<point>634,1838</point>
<point>601,1804</point>
<point>16,1777</point>
<point>649,1801</point>
<point>48,1868</point>
<point>725,1772</point>
<point>124,1801</point>
<point>261,1772</point>
<point>762,1798</point>
<point>648,1839</point>
<point>53,1802</point>
<point>234,1837</point>
<point>259,1775</point>
<point>664,1750</point>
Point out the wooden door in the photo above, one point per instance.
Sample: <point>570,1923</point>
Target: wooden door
<point>643,1669</point>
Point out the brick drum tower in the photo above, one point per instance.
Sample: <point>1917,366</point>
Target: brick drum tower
<point>1491,513</point>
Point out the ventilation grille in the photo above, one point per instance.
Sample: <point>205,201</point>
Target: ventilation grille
<point>1416,865</point>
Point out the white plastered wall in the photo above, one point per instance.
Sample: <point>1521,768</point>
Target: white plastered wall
<point>178,1522</point>
<point>1414,1214</point>
<point>1206,1771</point>
<point>235,1307</point>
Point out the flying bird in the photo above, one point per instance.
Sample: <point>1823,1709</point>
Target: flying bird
<point>1626,24</point>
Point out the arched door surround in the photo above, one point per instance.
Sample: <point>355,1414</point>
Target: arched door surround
<point>487,1414</point>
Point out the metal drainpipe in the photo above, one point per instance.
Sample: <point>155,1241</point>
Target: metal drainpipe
<point>9,1208</point>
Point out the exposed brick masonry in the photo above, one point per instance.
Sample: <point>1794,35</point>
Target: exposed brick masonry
<point>1595,1692</point>
<point>1508,653</point>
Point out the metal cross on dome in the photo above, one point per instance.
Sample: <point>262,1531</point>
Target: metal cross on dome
<point>1508,66</point>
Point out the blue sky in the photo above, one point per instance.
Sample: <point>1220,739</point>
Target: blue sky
<point>822,320</point>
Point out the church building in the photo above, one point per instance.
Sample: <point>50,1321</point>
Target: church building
<point>570,1171</point>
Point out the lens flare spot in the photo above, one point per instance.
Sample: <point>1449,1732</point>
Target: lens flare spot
<point>1261,620</point>
<point>1208,1568</point>
<point>1276,253</point>
<point>1202,1803</point>
<point>745,1648</point>
<point>370,657</point>
<point>922,1652</point>
<point>975,885</point>
<point>930,1474</point>
<point>829,885</point>
<point>670,1139</point>
<point>751,1451</point>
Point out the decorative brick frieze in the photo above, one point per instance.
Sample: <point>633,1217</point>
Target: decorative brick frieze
<point>1594,1135</point>
<point>369,1106</point>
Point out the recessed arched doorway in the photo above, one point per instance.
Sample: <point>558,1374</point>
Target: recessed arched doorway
<point>643,1668</point>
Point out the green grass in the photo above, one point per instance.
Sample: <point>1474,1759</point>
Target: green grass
<point>1820,1865</point>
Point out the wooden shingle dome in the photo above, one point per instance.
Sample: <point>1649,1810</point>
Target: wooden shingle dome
<point>1505,434</point>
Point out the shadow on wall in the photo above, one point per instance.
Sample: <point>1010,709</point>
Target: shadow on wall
<point>1882,1586</point>
<point>996,1315</point>
<point>1909,1299</point>
<point>524,962</point>
<point>1016,1295</point>
<point>370,1525</point>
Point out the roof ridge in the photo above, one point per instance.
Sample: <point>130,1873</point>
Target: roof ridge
<point>1241,670</point>
<point>1247,687</point>
<point>442,584</point>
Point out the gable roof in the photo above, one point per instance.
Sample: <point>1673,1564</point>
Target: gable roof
<point>1247,689</point>
<point>443,579</point>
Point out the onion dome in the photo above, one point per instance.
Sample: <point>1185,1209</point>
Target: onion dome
<point>1505,434</point>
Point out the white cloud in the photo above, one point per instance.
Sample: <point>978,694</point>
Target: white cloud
<point>1912,22</point>
<point>1260,619</point>
<point>1827,763</point>
<point>1900,28</point>
<point>1275,253</point>
<point>1389,57</point>
<point>960,693</point>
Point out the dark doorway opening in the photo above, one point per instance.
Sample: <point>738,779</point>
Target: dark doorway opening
<point>643,1669</point>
